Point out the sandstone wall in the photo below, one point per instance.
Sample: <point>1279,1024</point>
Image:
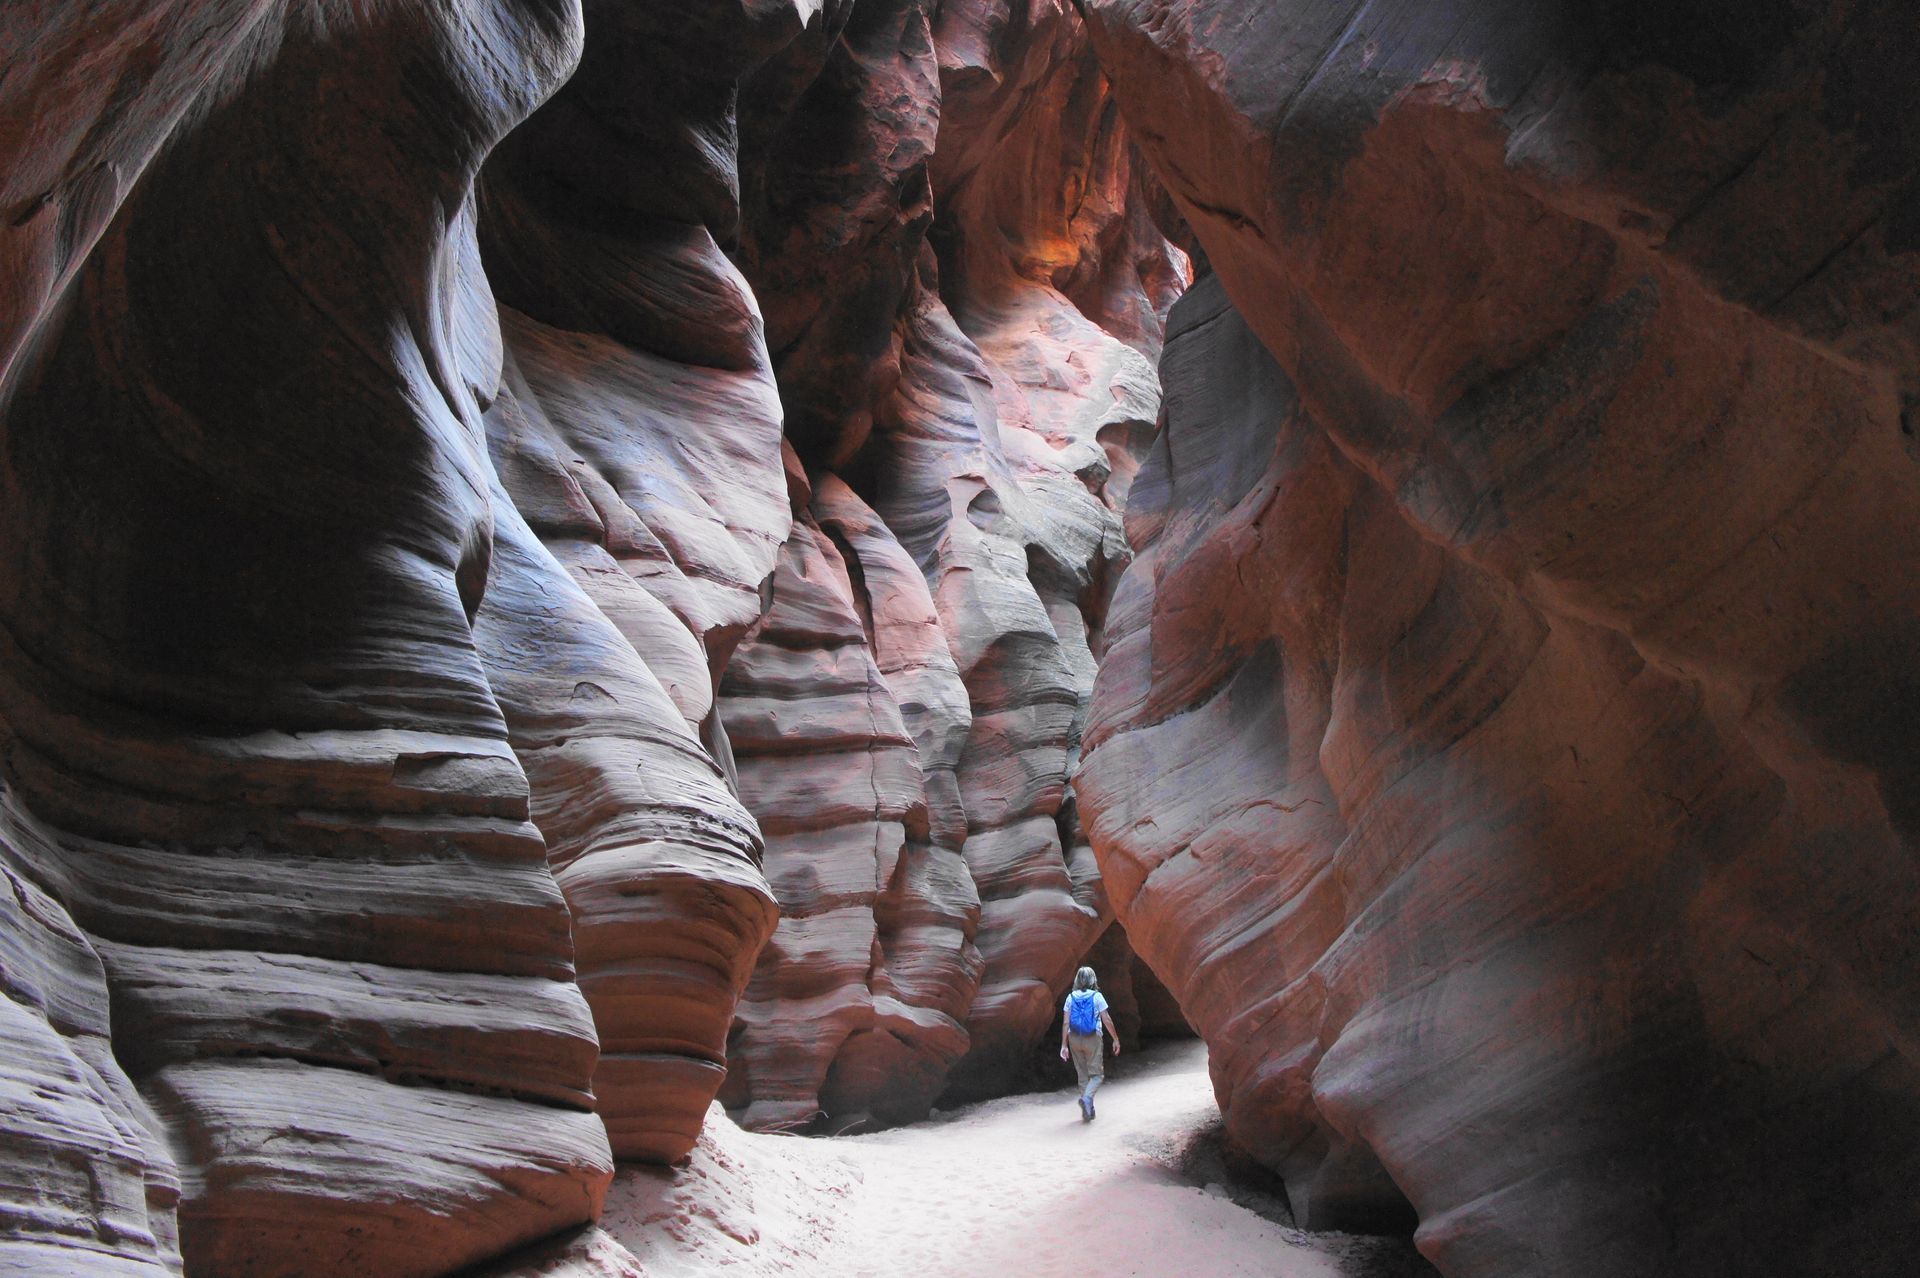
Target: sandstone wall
<point>394,458</point>
<point>480,552</point>
<point>638,436</point>
<point>266,834</point>
<point>931,201</point>
<point>1505,740</point>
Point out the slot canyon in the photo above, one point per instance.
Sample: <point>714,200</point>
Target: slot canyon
<point>587,583</point>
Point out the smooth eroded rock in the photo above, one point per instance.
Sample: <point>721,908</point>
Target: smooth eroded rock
<point>1497,738</point>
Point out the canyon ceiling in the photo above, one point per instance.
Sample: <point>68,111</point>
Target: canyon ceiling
<point>568,562</point>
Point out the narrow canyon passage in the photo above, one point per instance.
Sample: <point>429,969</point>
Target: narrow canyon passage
<point>590,586</point>
<point>1016,1186</point>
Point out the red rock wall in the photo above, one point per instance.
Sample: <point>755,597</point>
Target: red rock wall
<point>933,360</point>
<point>259,793</point>
<point>1505,740</point>
<point>1034,171</point>
<point>857,1003</point>
<point>392,477</point>
<point>638,435</point>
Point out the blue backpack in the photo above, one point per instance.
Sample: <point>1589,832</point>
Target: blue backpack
<point>1082,1017</point>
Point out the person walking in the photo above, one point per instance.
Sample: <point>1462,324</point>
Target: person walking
<point>1084,1012</point>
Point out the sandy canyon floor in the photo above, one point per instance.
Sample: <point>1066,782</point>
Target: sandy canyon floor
<point>1014,1186</point>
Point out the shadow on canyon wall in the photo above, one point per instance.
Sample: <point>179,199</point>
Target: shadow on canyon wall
<point>563,562</point>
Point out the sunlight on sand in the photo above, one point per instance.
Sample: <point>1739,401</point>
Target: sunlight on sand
<point>1018,1186</point>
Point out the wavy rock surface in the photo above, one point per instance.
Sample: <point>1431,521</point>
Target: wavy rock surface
<point>260,802</point>
<point>957,597</point>
<point>85,1178</point>
<point>383,527</point>
<point>1034,169</point>
<point>639,436</point>
<point>827,762</point>
<point>1504,738</point>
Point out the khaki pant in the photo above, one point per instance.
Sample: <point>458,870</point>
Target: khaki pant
<point>1088,1065</point>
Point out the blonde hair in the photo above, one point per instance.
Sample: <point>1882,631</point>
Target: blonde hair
<point>1084,979</point>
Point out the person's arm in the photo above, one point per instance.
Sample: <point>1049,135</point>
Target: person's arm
<point>1064,1054</point>
<point>1108,1022</point>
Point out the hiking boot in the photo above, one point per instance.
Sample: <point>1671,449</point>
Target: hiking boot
<point>1086,1110</point>
<point>1089,1106</point>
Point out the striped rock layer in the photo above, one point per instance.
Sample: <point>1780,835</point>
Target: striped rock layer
<point>1505,741</point>
<point>429,436</point>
